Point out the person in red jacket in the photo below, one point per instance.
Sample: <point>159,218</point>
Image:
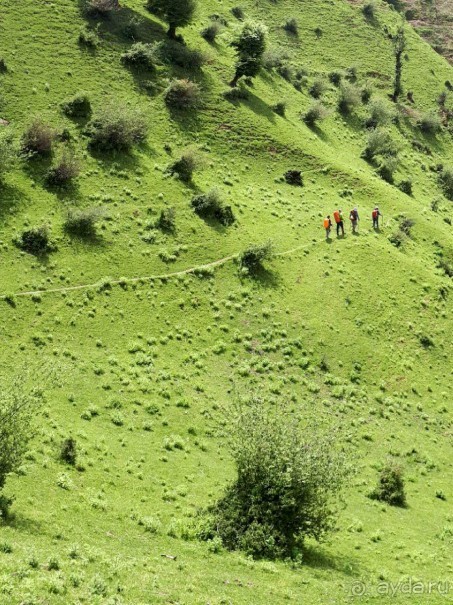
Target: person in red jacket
<point>338,216</point>
<point>375,216</point>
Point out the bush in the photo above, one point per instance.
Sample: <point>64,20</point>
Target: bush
<point>294,177</point>
<point>397,239</point>
<point>184,168</point>
<point>78,106</point>
<point>349,98</point>
<point>117,127</point>
<point>280,108</point>
<point>381,113</point>
<point>274,58</point>
<point>250,46</point>
<point>405,186</point>
<point>369,10</point>
<point>140,55</point>
<point>211,31</point>
<point>291,26</point>
<point>366,93</point>
<point>64,171</point>
<point>318,88</point>
<point>89,38</point>
<point>167,220</point>
<point>379,142</point>
<point>387,168</point>
<point>406,225</point>
<point>210,205</point>
<point>288,481</point>
<point>38,138</point>
<point>68,451</point>
<point>253,257</point>
<point>446,181</point>
<point>335,77</point>
<point>390,486</point>
<point>315,113</point>
<point>35,241</point>
<point>182,94</point>
<point>8,151</point>
<point>238,12</point>
<point>82,223</point>
<point>101,8</point>
<point>429,123</point>
<point>3,66</point>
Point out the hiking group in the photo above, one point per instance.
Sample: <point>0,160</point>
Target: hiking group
<point>353,217</point>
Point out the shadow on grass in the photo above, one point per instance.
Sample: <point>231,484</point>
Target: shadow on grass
<point>10,198</point>
<point>264,277</point>
<point>24,524</point>
<point>317,558</point>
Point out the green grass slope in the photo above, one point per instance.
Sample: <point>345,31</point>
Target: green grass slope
<point>137,352</point>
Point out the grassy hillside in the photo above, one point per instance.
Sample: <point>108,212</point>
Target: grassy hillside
<point>137,345</point>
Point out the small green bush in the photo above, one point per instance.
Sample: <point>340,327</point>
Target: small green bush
<point>349,98</point>
<point>167,220</point>
<point>140,55</point>
<point>117,127</point>
<point>379,143</point>
<point>369,10</point>
<point>315,113</point>
<point>38,138</point>
<point>78,106</point>
<point>381,113</point>
<point>35,241</point>
<point>182,95</point>
<point>446,181</point>
<point>291,26</point>
<point>238,12</point>
<point>253,257</point>
<point>68,451</point>
<point>406,186</point>
<point>274,58</point>
<point>294,177</point>
<point>88,38</point>
<point>318,88</point>
<point>64,171</point>
<point>335,77</point>
<point>186,165</point>
<point>210,205</point>
<point>390,486</point>
<point>82,223</point>
<point>429,123</point>
<point>280,108</point>
<point>211,31</point>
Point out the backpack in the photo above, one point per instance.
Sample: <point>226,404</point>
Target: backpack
<point>326,223</point>
<point>375,213</point>
<point>353,215</point>
<point>336,216</point>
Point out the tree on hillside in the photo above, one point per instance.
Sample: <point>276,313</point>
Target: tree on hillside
<point>250,47</point>
<point>177,13</point>
<point>399,45</point>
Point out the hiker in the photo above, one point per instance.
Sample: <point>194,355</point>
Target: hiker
<point>375,216</point>
<point>327,225</point>
<point>354,218</point>
<point>338,216</point>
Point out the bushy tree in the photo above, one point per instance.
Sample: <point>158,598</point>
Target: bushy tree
<point>177,13</point>
<point>117,127</point>
<point>8,151</point>
<point>251,260</point>
<point>399,45</point>
<point>288,479</point>
<point>250,46</point>
<point>390,487</point>
<point>211,205</point>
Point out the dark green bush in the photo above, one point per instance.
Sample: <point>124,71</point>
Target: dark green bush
<point>390,486</point>
<point>140,55</point>
<point>406,186</point>
<point>315,113</point>
<point>291,26</point>
<point>64,171</point>
<point>5,505</point>
<point>318,88</point>
<point>369,10</point>
<point>287,484</point>
<point>38,138</point>
<point>381,113</point>
<point>89,38</point>
<point>3,66</point>
<point>78,106</point>
<point>253,257</point>
<point>335,77</point>
<point>82,223</point>
<point>117,127</point>
<point>349,98</point>
<point>35,241</point>
<point>167,220</point>
<point>211,31</point>
<point>238,12</point>
<point>250,46</point>
<point>280,108</point>
<point>426,341</point>
<point>185,166</point>
<point>429,123</point>
<point>446,181</point>
<point>274,58</point>
<point>379,143</point>
<point>406,225</point>
<point>294,177</point>
<point>68,451</point>
<point>182,94</point>
<point>397,239</point>
<point>210,205</point>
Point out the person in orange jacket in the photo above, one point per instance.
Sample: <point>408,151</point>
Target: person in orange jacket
<point>327,225</point>
<point>338,216</point>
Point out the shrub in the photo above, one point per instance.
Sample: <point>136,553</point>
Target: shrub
<point>379,142</point>
<point>140,55</point>
<point>35,241</point>
<point>335,77</point>
<point>286,72</point>
<point>5,505</point>
<point>287,484</point>
<point>167,220</point>
<point>68,451</point>
<point>315,113</point>
<point>8,151</point>
<point>211,31</point>
<point>381,113</point>
<point>78,106</point>
<point>369,10</point>
<point>387,168</point>
<point>274,58</point>
<point>426,341</point>
<point>397,239</point>
<point>406,225</point>
<point>406,186</point>
<point>182,94</point>
<point>253,257</point>
<point>89,38</point>
<point>250,46</point>
<point>176,13</point>
<point>64,171</point>
<point>366,93</point>
<point>294,177</point>
<point>210,205</point>
<point>3,66</point>
<point>184,168</point>
<point>318,88</point>
<point>38,138</point>
<point>291,26</point>
<point>101,8</point>
<point>349,98</point>
<point>390,487</point>
<point>117,127</point>
<point>238,12</point>
<point>446,181</point>
<point>82,223</point>
<point>280,108</point>
<point>429,123</point>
